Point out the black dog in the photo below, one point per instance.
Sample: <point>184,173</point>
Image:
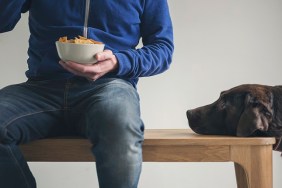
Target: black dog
<point>245,110</point>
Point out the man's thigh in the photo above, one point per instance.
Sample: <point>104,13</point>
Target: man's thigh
<point>28,112</point>
<point>112,110</point>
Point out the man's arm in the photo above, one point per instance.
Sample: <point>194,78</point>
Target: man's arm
<point>157,36</point>
<point>10,13</point>
<point>154,58</point>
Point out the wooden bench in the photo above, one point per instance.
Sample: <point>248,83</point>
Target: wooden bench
<point>252,156</point>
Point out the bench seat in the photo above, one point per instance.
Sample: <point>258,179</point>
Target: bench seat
<point>252,157</point>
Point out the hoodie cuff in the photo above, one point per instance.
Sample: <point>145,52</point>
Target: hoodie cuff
<point>124,65</point>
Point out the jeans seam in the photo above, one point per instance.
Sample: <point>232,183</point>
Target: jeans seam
<point>17,163</point>
<point>29,114</point>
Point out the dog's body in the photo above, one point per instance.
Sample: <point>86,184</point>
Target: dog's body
<point>245,110</point>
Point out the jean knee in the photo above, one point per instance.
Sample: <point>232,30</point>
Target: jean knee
<point>116,114</point>
<point>120,129</point>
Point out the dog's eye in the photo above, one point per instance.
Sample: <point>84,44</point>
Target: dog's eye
<point>255,103</point>
<point>267,114</point>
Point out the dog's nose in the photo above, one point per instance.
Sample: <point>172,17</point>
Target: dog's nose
<point>189,113</point>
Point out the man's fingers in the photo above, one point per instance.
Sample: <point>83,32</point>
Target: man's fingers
<point>70,69</point>
<point>83,68</point>
<point>90,75</point>
<point>106,54</point>
<point>106,63</point>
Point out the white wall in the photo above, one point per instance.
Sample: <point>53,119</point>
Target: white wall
<point>218,44</point>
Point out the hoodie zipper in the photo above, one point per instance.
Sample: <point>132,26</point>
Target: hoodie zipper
<point>86,17</point>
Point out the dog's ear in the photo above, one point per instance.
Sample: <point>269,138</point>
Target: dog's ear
<point>275,127</point>
<point>255,116</point>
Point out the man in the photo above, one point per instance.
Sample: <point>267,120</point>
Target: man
<point>99,101</point>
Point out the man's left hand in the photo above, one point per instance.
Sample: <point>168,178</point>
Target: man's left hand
<point>107,62</point>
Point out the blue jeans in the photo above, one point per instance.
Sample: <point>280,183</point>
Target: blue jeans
<point>106,111</point>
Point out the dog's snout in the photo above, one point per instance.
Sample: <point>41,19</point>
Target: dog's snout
<point>189,113</point>
<point>193,114</point>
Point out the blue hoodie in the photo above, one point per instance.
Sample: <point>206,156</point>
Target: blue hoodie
<point>118,23</point>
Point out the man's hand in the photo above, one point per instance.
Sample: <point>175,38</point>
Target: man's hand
<point>107,62</point>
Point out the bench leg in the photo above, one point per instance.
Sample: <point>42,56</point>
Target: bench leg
<point>241,176</point>
<point>253,166</point>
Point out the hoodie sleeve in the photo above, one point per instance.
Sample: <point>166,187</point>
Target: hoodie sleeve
<point>10,13</point>
<point>157,36</point>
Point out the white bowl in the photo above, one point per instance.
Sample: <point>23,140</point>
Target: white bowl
<point>79,53</point>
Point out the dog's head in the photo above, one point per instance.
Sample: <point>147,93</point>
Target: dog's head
<point>245,110</point>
